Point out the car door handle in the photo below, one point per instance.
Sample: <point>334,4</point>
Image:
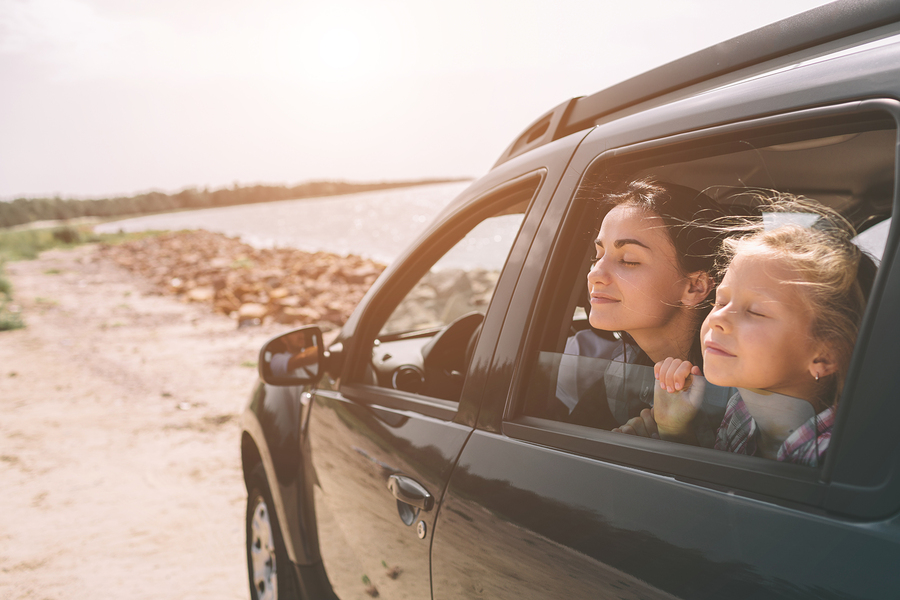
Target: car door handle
<point>411,492</point>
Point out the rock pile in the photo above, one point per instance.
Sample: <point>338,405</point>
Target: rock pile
<point>251,285</point>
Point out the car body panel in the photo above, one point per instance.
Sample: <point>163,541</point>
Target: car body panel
<point>355,448</point>
<point>272,436</point>
<point>550,525</point>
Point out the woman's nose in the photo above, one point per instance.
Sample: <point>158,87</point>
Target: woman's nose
<point>598,273</point>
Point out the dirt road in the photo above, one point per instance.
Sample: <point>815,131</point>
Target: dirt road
<point>119,438</point>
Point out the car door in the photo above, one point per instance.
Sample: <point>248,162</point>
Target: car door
<point>385,435</point>
<point>565,510</point>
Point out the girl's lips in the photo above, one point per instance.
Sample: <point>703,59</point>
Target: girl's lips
<point>717,350</point>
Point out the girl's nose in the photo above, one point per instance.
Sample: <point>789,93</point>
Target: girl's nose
<point>720,318</point>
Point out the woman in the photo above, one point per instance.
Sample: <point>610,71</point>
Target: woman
<point>651,281</point>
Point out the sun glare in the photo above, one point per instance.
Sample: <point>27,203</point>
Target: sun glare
<point>339,49</point>
<point>345,44</point>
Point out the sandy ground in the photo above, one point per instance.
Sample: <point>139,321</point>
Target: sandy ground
<point>119,438</point>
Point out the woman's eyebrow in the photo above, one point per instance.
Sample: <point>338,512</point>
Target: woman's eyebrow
<point>624,242</point>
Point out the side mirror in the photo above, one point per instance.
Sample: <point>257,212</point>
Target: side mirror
<point>293,358</point>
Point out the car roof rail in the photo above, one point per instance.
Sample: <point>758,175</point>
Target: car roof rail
<point>805,30</point>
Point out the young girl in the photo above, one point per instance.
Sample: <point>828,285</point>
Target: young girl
<point>782,328</point>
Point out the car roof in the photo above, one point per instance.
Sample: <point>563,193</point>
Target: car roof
<point>800,32</point>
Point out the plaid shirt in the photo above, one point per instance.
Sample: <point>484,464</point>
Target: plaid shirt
<point>739,433</point>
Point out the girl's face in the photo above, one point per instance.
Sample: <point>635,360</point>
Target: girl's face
<point>635,282</point>
<point>758,334</point>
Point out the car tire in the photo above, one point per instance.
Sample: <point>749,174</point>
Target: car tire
<point>268,567</point>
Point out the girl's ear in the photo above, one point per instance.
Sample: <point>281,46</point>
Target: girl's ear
<point>823,364</point>
<point>699,285</point>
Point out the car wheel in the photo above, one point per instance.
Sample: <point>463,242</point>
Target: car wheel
<point>268,567</point>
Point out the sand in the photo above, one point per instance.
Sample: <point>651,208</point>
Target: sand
<point>120,437</point>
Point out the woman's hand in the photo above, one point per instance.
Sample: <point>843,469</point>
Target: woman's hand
<point>677,399</point>
<point>643,425</point>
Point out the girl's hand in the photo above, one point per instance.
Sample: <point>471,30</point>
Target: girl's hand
<point>677,399</point>
<point>643,426</point>
<point>674,374</point>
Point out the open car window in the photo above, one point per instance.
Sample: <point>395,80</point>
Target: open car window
<point>462,280</point>
<point>428,337</point>
<point>579,385</point>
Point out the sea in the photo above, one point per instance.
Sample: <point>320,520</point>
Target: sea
<point>376,225</point>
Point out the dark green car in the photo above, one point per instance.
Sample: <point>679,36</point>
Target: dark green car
<point>409,457</point>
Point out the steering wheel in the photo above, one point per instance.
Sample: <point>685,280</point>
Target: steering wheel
<point>447,355</point>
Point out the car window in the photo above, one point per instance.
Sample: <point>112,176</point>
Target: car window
<point>462,281</point>
<point>425,344</point>
<point>873,239</point>
<point>595,381</point>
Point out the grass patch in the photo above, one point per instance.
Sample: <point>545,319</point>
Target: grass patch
<point>250,364</point>
<point>10,320</point>
<point>242,263</point>
<point>26,244</point>
<point>9,312</point>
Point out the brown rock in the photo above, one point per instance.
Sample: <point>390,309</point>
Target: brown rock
<point>290,301</point>
<point>201,294</point>
<point>252,310</point>
<point>302,287</point>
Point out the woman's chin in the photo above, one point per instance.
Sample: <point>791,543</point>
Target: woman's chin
<point>602,324</point>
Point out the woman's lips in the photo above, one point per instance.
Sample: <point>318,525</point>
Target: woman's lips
<point>602,299</point>
<point>717,350</point>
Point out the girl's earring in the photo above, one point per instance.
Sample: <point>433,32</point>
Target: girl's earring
<point>817,376</point>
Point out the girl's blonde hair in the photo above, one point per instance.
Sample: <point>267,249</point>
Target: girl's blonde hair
<point>834,273</point>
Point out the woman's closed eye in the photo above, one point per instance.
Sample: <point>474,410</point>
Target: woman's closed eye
<point>622,261</point>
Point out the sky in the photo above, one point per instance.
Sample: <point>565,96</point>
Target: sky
<point>102,98</point>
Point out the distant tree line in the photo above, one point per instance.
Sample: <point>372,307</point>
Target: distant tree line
<point>27,210</point>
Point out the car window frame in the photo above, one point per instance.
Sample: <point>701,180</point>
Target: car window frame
<point>452,228</point>
<point>783,483</point>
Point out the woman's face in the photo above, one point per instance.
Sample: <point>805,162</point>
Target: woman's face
<point>635,283</point>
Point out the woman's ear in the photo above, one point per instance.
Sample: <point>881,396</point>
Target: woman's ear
<point>699,285</point>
